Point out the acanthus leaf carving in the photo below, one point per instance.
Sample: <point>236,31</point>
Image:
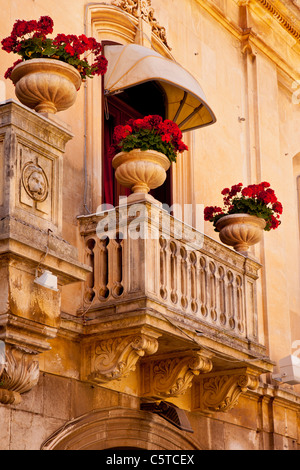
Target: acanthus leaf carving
<point>115,358</point>
<point>19,373</point>
<point>130,6</point>
<point>172,377</point>
<point>221,391</point>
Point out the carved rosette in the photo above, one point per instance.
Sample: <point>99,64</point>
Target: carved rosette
<point>221,392</point>
<point>19,373</point>
<point>115,358</point>
<point>172,377</point>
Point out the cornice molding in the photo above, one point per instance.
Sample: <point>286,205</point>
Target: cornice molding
<point>280,17</point>
<point>278,14</point>
<point>247,35</point>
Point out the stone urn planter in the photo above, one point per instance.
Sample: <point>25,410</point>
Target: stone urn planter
<point>141,170</point>
<point>240,231</point>
<point>46,85</point>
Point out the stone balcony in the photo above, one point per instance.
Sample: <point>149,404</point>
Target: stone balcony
<point>177,301</point>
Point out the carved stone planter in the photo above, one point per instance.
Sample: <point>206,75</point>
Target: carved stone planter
<point>240,231</point>
<point>141,170</point>
<point>46,85</point>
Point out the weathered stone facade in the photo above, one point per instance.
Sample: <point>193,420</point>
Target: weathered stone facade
<point>153,314</point>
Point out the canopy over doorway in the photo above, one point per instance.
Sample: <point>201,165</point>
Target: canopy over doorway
<point>132,65</point>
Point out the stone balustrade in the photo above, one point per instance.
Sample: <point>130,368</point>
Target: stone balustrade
<point>140,251</point>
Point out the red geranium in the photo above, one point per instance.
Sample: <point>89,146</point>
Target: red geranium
<point>28,39</point>
<point>256,199</point>
<point>150,132</point>
<point>211,211</point>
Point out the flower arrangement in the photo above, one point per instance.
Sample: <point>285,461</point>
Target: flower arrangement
<point>29,40</point>
<point>149,133</point>
<point>256,199</point>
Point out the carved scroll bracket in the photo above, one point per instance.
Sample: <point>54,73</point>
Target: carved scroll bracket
<point>220,391</point>
<point>172,377</point>
<point>19,373</point>
<point>114,358</point>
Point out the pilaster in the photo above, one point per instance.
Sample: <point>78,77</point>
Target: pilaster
<point>31,183</point>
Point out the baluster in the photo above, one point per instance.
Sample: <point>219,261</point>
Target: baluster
<point>203,287</point>
<point>102,268</point>
<point>212,291</point>
<point>194,293</point>
<point>230,300</point>
<point>163,267</point>
<point>183,269</point>
<point>222,305</point>
<point>239,304</point>
<point>117,266</point>
<point>173,261</point>
<point>89,293</point>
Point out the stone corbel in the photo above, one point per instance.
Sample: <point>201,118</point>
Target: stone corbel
<point>220,391</point>
<point>172,377</point>
<point>114,358</point>
<point>19,373</point>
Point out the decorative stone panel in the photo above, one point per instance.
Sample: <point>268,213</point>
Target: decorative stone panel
<point>31,184</point>
<point>31,151</point>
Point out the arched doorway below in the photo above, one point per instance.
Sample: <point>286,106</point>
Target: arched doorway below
<point>119,429</point>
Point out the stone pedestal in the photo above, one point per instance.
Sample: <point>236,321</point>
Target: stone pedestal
<point>31,168</point>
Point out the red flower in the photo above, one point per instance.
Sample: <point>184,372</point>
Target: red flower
<point>267,196</point>
<point>211,211</point>
<point>181,147</point>
<point>67,48</point>
<point>9,43</point>
<point>70,49</point>
<point>151,132</point>
<point>166,137</point>
<point>274,222</point>
<point>45,24</point>
<point>277,207</point>
<point>225,191</point>
<point>247,192</point>
<point>60,38</point>
<point>100,66</point>
<point>236,188</point>
<point>154,119</point>
<point>141,124</point>
<point>19,28</point>
<point>121,132</point>
<point>256,199</point>
<point>10,69</point>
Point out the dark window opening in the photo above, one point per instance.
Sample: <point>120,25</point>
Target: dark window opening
<point>132,103</point>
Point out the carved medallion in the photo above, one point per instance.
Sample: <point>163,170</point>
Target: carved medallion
<point>35,182</point>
